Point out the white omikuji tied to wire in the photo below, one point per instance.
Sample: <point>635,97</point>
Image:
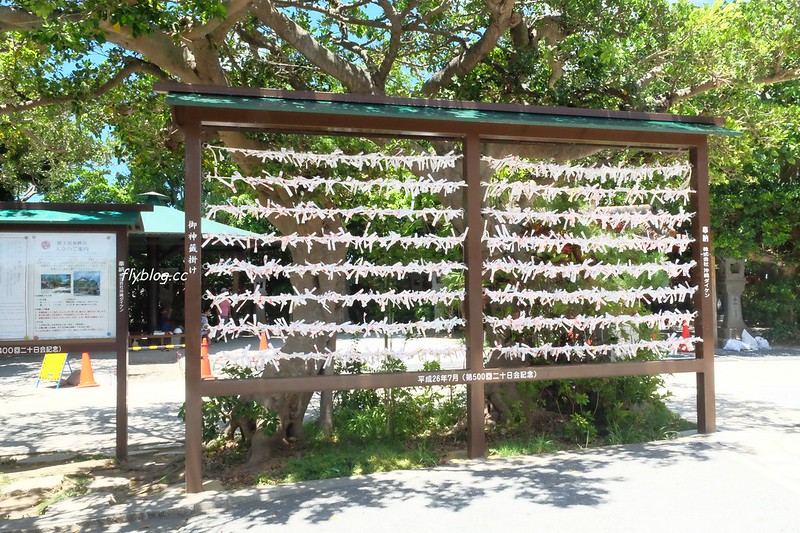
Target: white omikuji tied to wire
<point>603,174</point>
<point>306,211</point>
<point>291,185</point>
<point>594,194</point>
<point>660,220</point>
<point>339,238</point>
<point>259,359</point>
<point>662,320</point>
<point>407,299</point>
<point>598,297</point>
<point>621,349</point>
<point>283,329</point>
<point>379,161</point>
<point>506,241</point>
<point>597,185</point>
<point>350,270</point>
<point>588,269</point>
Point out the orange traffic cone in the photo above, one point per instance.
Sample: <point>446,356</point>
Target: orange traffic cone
<point>205,365</point>
<point>263,343</point>
<point>684,346</point>
<point>87,374</point>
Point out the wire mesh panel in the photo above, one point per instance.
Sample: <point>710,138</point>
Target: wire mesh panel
<point>586,263</point>
<point>367,244</point>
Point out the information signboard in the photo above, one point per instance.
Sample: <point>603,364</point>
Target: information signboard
<point>58,286</point>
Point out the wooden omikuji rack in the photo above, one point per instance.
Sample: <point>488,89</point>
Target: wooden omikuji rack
<point>200,109</point>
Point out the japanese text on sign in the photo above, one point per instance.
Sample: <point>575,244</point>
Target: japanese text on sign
<point>29,350</point>
<point>191,257</point>
<point>706,255</point>
<point>457,377</point>
<point>58,286</point>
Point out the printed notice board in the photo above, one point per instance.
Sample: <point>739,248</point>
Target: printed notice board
<point>57,286</point>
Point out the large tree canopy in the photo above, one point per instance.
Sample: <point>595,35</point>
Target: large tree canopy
<point>643,54</point>
<point>86,64</point>
<point>87,67</point>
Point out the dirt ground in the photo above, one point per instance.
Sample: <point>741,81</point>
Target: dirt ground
<point>59,442</point>
<point>29,488</point>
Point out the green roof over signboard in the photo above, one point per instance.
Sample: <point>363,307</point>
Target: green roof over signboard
<point>47,216</point>
<point>143,220</point>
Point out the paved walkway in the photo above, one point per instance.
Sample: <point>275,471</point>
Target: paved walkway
<point>745,477</point>
<point>44,419</point>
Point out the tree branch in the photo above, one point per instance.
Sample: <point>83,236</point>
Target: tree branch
<point>395,38</point>
<point>14,19</point>
<point>780,76</point>
<point>652,75</point>
<point>338,15</point>
<point>131,66</point>
<point>24,197</point>
<point>257,40</point>
<point>357,49</point>
<point>551,30</point>
<point>694,90</point>
<point>503,18</point>
<point>424,19</point>
<point>235,10</point>
<point>158,47</point>
<point>356,79</point>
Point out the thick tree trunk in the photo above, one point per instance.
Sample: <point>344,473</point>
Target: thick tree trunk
<point>291,408</point>
<point>326,407</point>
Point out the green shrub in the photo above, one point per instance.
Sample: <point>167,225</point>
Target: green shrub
<point>224,415</point>
<point>403,413</point>
<point>598,410</point>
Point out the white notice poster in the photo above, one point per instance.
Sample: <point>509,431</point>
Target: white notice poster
<point>65,288</point>
<point>13,276</point>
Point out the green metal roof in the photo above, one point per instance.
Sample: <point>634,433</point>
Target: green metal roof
<point>160,221</point>
<point>169,221</point>
<point>420,112</point>
<point>45,216</point>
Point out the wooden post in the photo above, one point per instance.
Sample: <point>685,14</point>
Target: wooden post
<point>122,346</point>
<point>193,294</point>
<point>476,437</point>
<point>704,298</point>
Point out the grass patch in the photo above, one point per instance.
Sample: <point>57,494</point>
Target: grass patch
<point>525,445</point>
<point>653,423</point>
<point>324,459</point>
<point>380,431</point>
<point>321,457</point>
<point>72,487</point>
<point>647,423</point>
